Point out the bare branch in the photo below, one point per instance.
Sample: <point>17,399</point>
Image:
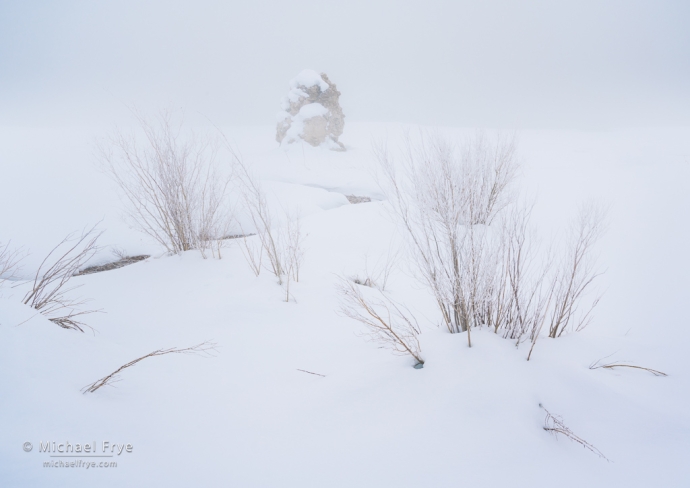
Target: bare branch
<point>555,425</point>
<point>598,364</point>
<point>386,321</point>
<point>205,348</point>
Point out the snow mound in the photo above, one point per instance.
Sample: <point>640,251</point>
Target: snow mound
<point>311,112</point>
<point>308,78</point>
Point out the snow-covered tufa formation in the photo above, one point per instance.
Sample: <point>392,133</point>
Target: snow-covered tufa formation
<point>311,112</point>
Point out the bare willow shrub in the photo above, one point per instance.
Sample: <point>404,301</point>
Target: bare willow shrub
<point>171,183</point>
<point>387,322</point>
<point>474,247</point>
<point>446,196</point>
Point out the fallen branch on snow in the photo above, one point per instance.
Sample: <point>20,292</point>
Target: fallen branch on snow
<point>555,425</point>
<point>203,349</point>
<point>597,365</point>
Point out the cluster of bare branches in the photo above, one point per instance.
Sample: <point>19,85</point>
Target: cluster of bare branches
<point>49,293</point>
<point>536,288</point>
<point>524,284</point>
<point>473,245</point>
<point>256,204</point>
<point>554,424</point>
<point>292,247</point>
<point>171,183</point>
<point>281,243</point>
<point>10,259</point>
<point>387,321</point>
<point>576,271</point>
<point>205,348</point>
<point>446,197</point>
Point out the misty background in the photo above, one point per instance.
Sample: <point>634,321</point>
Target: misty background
<point>528,64</point>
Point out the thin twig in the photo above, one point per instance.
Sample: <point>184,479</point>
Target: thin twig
<point>317,374</point>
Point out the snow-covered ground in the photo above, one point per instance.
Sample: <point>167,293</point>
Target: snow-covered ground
<point>249,418</point>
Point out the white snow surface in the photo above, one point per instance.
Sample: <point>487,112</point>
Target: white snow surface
<point>247,417</point>
<point>312,110</point>
<point>308,78</point>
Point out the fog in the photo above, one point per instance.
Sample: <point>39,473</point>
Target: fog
<point>528,64</point>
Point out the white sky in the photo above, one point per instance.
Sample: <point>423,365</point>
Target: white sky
<point>524,64</point>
